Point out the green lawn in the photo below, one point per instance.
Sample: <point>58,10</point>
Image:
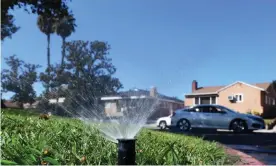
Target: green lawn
<point>26,140</point>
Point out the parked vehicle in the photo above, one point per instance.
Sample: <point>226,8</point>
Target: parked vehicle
<point>164,122</point>
<point>215,117</point>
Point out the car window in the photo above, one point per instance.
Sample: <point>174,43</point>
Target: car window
<point>191,110</point>
<point>216,110</point>
<point>213,110</point>
<point>200,109</point>
<point>219,110</point>
<point>206,109</point>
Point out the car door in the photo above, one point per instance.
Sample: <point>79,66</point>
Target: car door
<point>194,117</point>
<point>217,118</point>
<point>201,116</point>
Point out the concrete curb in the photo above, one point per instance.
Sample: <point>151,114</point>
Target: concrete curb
<point>245,158</point>
<point>246,148</point>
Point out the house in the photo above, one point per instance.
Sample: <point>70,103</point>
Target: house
<point>28,105</point>
<point>166,105</point>
<point>58,100</point>
<point>240,96</point>
<point>10,104</point>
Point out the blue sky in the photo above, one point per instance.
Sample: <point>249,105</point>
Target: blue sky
<point>164,43</point>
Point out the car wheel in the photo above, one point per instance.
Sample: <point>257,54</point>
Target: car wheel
<point>239,126</point>
<point>184,125</point>
<point>163,125</point>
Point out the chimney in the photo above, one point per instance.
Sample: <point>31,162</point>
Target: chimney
<point>153,92</point>
<point>194,85</point>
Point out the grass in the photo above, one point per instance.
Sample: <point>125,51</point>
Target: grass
<point>26,140</point>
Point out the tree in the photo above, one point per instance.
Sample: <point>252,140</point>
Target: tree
<point>46,25</point>
<point>54,80</point>
<point>19,79</point>
<point>91,74</point>
<point>274,86</point>
<point>90,64</point>
<point>7,27</point>
<point>64,28</point>
<point>54,8</point>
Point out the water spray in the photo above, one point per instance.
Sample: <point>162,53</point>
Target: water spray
<point>136,109</point>
<point>126,152</point>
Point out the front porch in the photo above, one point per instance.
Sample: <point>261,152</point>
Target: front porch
<point>201,99</point>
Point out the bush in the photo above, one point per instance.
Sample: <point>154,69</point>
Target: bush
<point>29,141</point>
<point>253,112</point>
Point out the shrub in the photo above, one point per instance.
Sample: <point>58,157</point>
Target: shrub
<point>29,141</point>
<point>255,112</point>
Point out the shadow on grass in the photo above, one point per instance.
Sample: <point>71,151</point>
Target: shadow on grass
<point>228,137</point>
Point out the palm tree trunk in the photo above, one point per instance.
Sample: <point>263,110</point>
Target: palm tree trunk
<point>63,52</point>
<point>48,53</point>
<point>48,60</point>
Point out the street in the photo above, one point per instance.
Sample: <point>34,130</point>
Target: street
<point>260,144</point>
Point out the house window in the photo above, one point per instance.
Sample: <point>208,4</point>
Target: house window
<point>239,98</point>
<point>205,100</point>
<point>213,100</point>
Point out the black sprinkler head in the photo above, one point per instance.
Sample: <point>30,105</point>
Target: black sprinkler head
<point>126,152</point>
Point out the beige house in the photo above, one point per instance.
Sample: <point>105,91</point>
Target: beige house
<point>113,104</point>
<point>240,96</point>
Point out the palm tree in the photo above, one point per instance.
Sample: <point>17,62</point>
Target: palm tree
<point>46,25</point>
<point>64,28</point>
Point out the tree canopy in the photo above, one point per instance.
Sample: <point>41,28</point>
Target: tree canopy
<point>88,73</point>
<point>274,86</point>
<point>49,8</point>
<point>19,79</point>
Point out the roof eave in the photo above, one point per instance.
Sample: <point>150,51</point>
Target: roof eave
<point>121,97</point>
<point>252,86</point>
<point>137,97</point>
<point>197,94</point>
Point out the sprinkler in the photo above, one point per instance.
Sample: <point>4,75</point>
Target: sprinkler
<point>126,152</point>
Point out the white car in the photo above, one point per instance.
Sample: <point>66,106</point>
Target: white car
<point>164,122</point>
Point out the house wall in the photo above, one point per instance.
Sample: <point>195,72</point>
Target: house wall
<point>252,99</point>
<point>189,101</point>
<point>165,108</point>
<point>110,108</point>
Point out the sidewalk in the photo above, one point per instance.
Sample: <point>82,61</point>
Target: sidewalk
<point>266,131</point>
<point>261,153</point>
<point>256,148</point>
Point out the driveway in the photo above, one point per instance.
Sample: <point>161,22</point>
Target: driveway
<point>261,145</point>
